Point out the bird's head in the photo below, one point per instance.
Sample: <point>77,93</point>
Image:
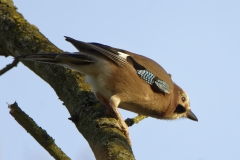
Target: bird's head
<point>182,106</point>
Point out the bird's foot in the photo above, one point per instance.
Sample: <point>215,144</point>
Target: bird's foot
<point>124,129</point>
<point>113,110</point>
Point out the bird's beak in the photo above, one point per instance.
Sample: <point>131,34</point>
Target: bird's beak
<point>191,115</point>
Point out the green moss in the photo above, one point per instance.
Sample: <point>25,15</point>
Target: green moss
<point>8,3</point>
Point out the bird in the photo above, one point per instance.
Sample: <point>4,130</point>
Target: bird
<point>122,79</point>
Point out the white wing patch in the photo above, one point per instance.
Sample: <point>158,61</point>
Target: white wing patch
<point>123,55</point>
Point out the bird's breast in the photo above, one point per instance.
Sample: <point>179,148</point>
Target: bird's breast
<point>135,94</point>
<point>100,78</point>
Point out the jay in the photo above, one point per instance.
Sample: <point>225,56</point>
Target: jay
<point>123,79</point>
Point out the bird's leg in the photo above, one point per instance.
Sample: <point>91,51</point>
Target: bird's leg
<point>113,109</point>
<point>114,102</point>
<point>106,104</point>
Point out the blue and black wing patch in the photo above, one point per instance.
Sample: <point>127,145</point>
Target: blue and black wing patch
<point>149,77</point>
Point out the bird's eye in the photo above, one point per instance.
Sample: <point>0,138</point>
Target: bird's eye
<point>183,99</point>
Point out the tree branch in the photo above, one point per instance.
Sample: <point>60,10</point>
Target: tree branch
<point>18,37</point>
<point>8,67</point>
<point>40,135</point>
<point>135,120</point>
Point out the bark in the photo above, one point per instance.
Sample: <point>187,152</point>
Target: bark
<point>39,134</point>
<point>18,37</point>
<point>9,67</point>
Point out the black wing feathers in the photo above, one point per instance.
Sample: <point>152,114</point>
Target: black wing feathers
<point>107,51</point>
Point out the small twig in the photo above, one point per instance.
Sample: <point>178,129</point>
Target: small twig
<point>132,121</point>
<point>39,134</point>
<point>9,66</point>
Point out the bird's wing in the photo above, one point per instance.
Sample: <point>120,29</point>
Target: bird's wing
<point>121,57</point>
<point>106,51</point>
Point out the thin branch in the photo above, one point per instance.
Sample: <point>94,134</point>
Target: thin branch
<point>39,134</point>
<point>132,121</point>
<point>9,66</point>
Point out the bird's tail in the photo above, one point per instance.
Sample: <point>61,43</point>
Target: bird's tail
<point>55,58</point>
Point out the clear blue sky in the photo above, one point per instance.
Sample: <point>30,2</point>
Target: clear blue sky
<point>198,42</point>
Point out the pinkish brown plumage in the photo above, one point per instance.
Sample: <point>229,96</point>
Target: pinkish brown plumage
<point>123,79</point>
